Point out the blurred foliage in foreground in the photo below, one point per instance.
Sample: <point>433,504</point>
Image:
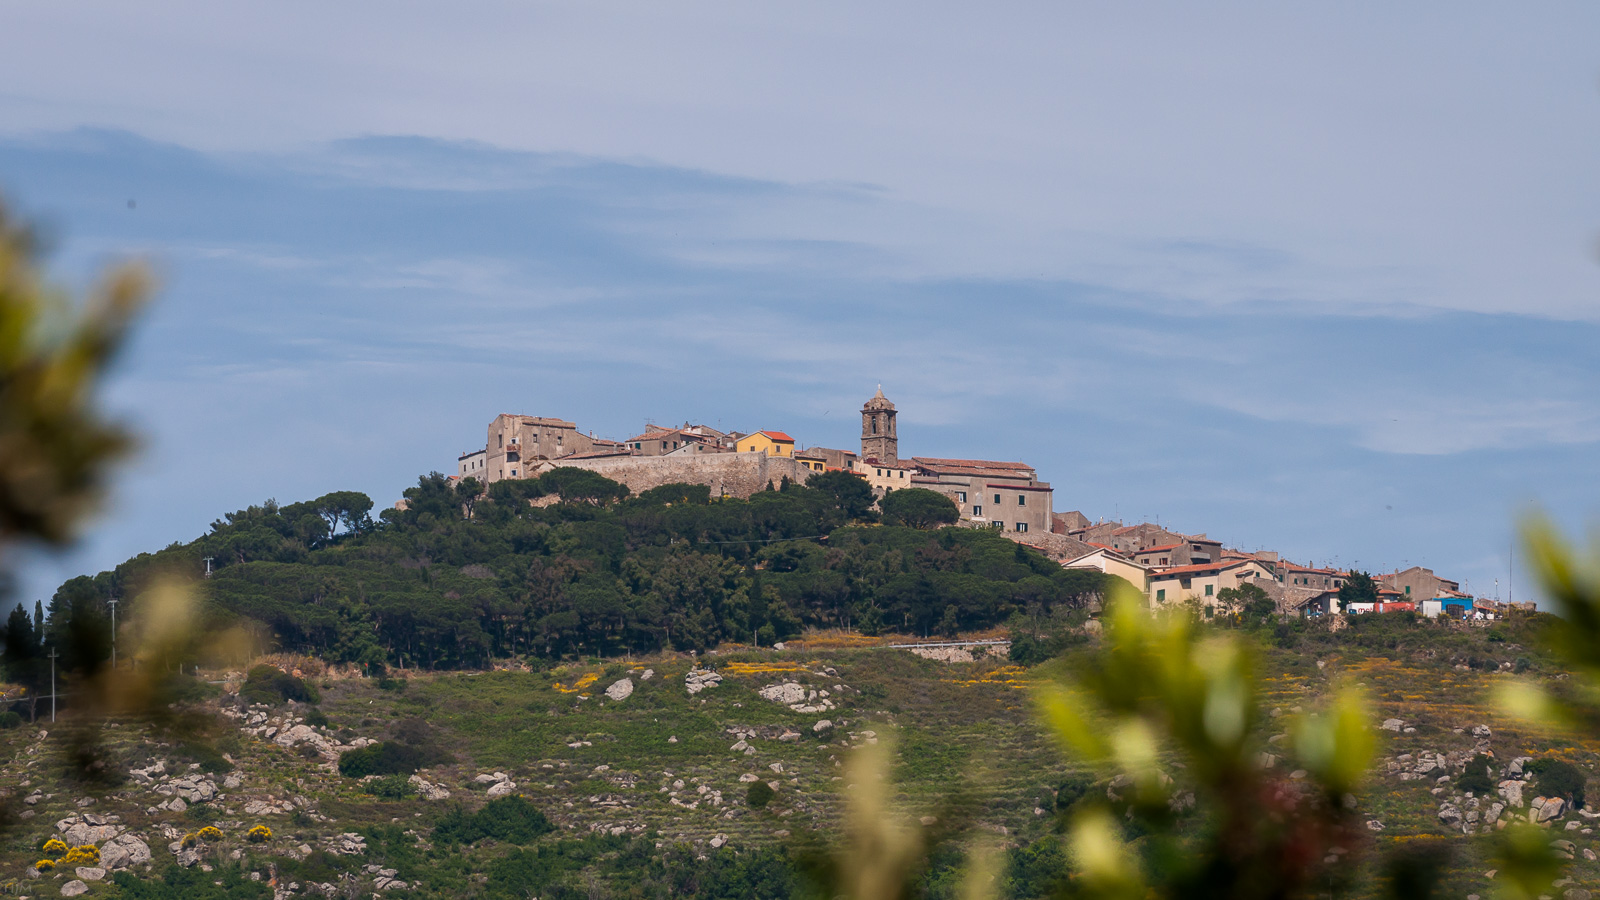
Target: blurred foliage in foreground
<point>1570,583</point>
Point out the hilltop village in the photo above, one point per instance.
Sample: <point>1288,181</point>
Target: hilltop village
<point>1168,567</point>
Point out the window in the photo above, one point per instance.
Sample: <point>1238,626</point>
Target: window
<point>996,499</point>
<point>902,473</point>
<point>513,473</point>
<point>1022,526</point>
<point>977,510</point>
<point>874,424</point>
<point>1022,499</point>
<point>1209,588</point>
<point>880,472</point>
<point>1408,590</point>
<point>961,496</point>
<point>1161,595</point>
<point>500,439</point>
<point>1164,560</point>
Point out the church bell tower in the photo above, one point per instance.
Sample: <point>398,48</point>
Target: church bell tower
<point>878,440</point>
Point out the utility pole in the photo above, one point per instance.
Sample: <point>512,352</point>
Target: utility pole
<point>52,684</point>
<point>113,604</point>
<point>208,566</point>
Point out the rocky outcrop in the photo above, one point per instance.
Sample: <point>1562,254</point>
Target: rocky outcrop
<point>700,679</point>
<point>89,829</point>
<point>620,690</point>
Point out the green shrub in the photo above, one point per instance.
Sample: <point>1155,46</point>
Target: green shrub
<point>513,820</point>
<point>382,758</point>
<point>269,684</point>
<point>391,787</point>
<point>759,795</point>
<point>228,882</point>
<point>1558,778</point>
<point>1477,777</point>
<point>9,719</point>
<point>316,719</point>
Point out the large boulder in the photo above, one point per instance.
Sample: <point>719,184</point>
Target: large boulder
<point>123,851</point>
<point>74,888</point>
<point>1552,808</point>
<point>1511,789</point>
<point>786,693</point>
<point>502,788</point>
<point>620,690</point>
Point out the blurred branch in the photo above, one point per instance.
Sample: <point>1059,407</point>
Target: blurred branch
<point>1161,695</point>
<point>55,446</point>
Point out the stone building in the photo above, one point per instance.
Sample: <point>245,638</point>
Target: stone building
<point>827,459</point>
<point>1005,495</point>
<point>658,441</point>
<point>879,440</point>
<point>1418,583</point>
<point>471,465</point>
<point>515,441</point>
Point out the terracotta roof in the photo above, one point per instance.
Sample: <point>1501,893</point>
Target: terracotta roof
<point>1159,549</point>
<point>1021,487</point>
<point>1201,567</point>
<point>777,436</point>
<point>657,435</point>
<point>594,455</point>
<point>540,420</point>
<point>934,462</point>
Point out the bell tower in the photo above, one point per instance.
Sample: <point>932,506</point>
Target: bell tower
<point>878,439</point>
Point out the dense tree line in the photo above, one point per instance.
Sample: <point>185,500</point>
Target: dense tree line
<point>573,564</point>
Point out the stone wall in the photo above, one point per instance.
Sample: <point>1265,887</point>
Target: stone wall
<point>1058,547</point>
<point>731,474</point>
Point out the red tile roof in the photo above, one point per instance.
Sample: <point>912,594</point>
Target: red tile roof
<point>1200,567</point>
<point>1159,549</point>
<point>1021,487</point>
<point>933,462</point>
<point>777,436</point>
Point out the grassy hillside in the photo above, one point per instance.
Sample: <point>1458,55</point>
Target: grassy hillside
<point>651,795</point>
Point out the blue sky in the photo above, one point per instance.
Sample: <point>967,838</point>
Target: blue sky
<point>1317,281</point>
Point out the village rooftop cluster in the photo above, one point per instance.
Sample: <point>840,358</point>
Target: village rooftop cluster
<point>1168,567</point>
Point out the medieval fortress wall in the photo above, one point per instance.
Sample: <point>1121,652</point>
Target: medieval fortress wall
<point>727,474</point>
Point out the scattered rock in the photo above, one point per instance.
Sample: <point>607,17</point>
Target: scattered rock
<point>620,690</point>
<point>90,873</point>
<point>700,679</point>
<point>648,674</point>
<point>427,790</point>
<point>1374,825</point>
<point>347,844</point>
<point>1449,815</point>
<point>719,840</point>
<point>822,726</point>
<point>74,888</point>
<point>502,788</point>
<point>1393,725</point>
